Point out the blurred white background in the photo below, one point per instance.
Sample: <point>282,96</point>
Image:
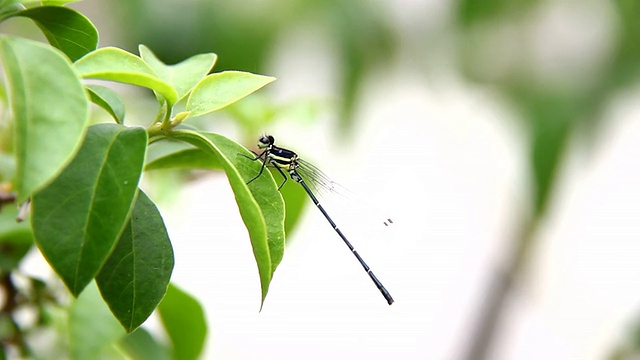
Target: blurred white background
<point>447,160</point>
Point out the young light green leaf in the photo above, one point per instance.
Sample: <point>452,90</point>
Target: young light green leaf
<point>221,89</point>
<point>135,277</point>
<point>185,159</point>
<point>92,328</point>
<point>184,75</point>
<point>118,65</point>
<point>261,205</point>
<point>79,217</point>
<point>108,100</point>
<point>184,321</point>
<point>50,108</point>
<point>64,28</point>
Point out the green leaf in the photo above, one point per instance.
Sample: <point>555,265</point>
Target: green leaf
<point>64,28</point>
<point>92,328</point>
<point>50,108</point>
<point>79,217</point>
<point>140,345</point>
<point>185,159</point>
<point>108,100</point>
<point>184,75</point>
<point>183,319</point>
<point>261,205</point>
<point>221,89</point>
<point>15,239</point>
<point>135,277</point>
<point>118,65</point>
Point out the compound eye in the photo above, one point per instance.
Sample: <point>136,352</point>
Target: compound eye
<point>263,141</point>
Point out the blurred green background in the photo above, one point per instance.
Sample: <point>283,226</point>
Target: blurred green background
<point>548,74</point>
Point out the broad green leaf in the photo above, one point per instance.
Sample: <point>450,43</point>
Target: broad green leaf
<point>118,65</point>
<point>92,328</point>
<point>135,277</point>
<point>50,108</point>
<point>140,345</point>
<point>15,239</point>
<point>221,89</point>
<point>261,205</point>
<point>185,159</point>
<point>79,217</point>
<point>64,28</point>
<point>184,321</point>
<point>184,75</point>
<point>108,100</point>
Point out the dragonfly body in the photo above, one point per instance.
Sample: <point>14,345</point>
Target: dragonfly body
<point>287,160</point>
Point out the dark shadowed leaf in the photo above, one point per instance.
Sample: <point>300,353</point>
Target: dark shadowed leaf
<point>135,277</point>
<point>79,217</point>
<point>185,159</point>
<point>64,28</point>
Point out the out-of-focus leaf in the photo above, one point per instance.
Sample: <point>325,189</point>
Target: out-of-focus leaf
<point>15,239</point>
<point>115,64</point>
<point>185,159</point>
<point>551,117</point>
<point>140,345</point>
<point>221,89</point>
<point>79,217</point>
<point>64,28</point>
<point>184,75</point>
<point>7,166</point>
<point>92,327</point>
<point>295,199</point>
<point>108,100</point>
<point>135,277</point>
<point>470,11</point>
<point>50,108</point>
<point>260,204</point>
<point>184,321</point>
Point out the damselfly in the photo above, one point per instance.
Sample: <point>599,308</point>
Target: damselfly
<point>287,160</point>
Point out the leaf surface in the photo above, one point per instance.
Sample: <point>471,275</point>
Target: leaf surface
<point>78,218</point>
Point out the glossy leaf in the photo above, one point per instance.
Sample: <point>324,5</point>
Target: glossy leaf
<point>221,89</point>
<point>108,100</point>
<point>185,159</point>
<point>184,321</point>
<point>118,65</point>
<point>261,205</point>
<point>64,28</point>
<point>135,277</point>
<point>92,328</point>
<point>182,76</point>
<point>79,217</point>
<point>50,108</point>
<point>140,345</point>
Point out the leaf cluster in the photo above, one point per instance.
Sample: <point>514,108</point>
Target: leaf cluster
<point>89,218</point>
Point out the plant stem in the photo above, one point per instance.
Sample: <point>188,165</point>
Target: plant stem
<point>501,287</point>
